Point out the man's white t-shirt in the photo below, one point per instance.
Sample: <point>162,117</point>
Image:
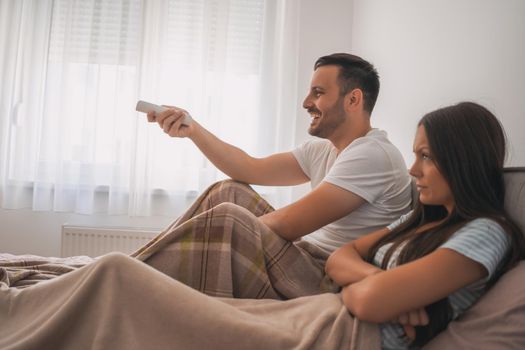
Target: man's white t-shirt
<point>370,167</point>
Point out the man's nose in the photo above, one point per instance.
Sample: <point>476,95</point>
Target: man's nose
<point>307,103</point>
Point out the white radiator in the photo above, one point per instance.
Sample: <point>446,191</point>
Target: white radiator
<point>95,241</point>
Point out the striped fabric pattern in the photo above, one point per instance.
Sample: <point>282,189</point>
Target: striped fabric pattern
<point>482,240</point>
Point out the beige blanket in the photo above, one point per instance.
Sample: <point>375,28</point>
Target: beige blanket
<point>216,247</point>
<point>117,302</point>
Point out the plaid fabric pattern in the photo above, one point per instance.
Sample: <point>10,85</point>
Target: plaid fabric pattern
<point>220,248</point>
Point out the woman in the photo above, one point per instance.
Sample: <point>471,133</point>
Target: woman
<point>412,277</point>
<point>428,267</point>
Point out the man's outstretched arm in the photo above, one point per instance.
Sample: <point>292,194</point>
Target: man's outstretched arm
<point>280,169</point>
<point>323,205</point>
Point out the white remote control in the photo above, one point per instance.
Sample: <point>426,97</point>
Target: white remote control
<point>145,107</point>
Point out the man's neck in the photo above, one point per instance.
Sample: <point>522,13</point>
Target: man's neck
<point>346,134</point>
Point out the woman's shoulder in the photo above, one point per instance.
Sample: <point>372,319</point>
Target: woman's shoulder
<point>483,225</point>
<point>482,229</point>
<point>483,240</point>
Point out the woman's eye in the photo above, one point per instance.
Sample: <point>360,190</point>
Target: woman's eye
<point>426,156</point>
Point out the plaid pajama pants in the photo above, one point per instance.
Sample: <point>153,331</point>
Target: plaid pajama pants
<point>219,247</point>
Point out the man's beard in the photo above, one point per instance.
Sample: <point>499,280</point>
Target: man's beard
<point>329,120</point>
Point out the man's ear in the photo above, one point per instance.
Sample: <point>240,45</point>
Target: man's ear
<point>354,99</point>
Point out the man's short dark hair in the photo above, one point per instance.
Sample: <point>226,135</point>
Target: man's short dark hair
<point>354,72</point>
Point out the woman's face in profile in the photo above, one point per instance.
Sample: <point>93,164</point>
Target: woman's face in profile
<point>431,185</point>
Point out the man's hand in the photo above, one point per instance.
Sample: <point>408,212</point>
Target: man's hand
<point>411,319</point>
<point>281,169</point>
<point>170,121</point>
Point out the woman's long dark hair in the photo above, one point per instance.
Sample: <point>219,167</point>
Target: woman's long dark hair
<point>468,146</point>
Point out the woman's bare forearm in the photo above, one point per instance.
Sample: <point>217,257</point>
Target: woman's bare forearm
<point>346,266</point>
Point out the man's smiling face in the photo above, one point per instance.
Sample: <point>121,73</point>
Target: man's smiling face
<point>324,102</point>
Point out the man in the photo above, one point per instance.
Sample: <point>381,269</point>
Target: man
<point>359,183</point>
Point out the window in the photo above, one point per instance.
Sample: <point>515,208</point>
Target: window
<point>73,141</point>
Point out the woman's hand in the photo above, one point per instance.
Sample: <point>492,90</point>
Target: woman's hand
<point>409,320</point>
<point>347,264</point>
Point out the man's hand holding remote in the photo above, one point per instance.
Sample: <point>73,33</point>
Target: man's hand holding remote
<point>175,122</point>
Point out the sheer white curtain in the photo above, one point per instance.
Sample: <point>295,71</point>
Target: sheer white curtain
<point>72,71</point>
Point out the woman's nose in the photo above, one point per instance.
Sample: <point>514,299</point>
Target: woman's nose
<point>414,170</point>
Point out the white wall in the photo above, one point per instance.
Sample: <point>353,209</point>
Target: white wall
<point>325,28</point>
<point>434,53</point>
<point>30,232</point>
